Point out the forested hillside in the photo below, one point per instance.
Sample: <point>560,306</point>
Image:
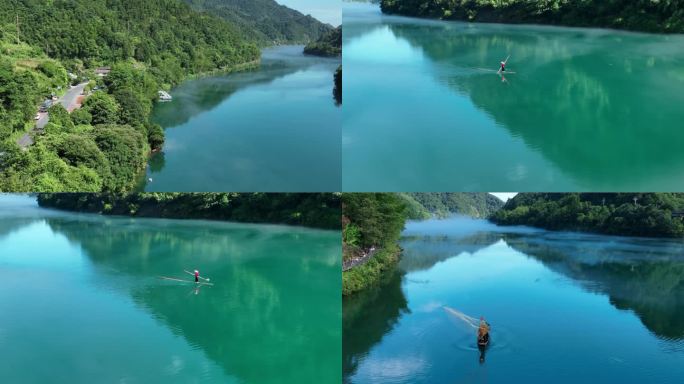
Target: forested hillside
<point>426,205</point>
<point>320,210</point>
<point>147,46</point>
<point>265,21</point>
<point>329,45</point>
<point>371,225</point>
<point>629,214</point>
<point>641,15</point>
<point>163,34</point>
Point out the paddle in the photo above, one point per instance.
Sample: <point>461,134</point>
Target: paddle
<point>188,272</point>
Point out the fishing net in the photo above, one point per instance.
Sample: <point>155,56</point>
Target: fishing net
<point>462,318</point>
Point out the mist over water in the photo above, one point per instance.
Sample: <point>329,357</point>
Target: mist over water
<point>586,109</point>
<point>273,129</point>
<point>81,300</point>
<point>563,307</point>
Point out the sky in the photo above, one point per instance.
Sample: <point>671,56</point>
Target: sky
<point>504,196</point>
<point>327,11</point>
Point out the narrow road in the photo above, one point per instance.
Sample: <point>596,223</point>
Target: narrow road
<point>69,101</point>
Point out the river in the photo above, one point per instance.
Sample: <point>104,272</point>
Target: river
<point>587,109</point>
<point>273,129</point>
<point>563,307</point>
<point>81,300</point>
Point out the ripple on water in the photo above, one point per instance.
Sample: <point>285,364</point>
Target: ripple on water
<point>501,340</point>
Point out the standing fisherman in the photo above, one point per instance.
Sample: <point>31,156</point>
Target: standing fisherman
<point>196,276</point>
<point>503,65</point>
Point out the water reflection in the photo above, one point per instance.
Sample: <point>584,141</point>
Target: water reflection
<point>586,108</point>
<point>469,261</point>
<point>257,323</point>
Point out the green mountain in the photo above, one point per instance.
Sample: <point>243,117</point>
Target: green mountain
<point>641,15</point>
<point>266,21</point>
<point>165,34</point>
<point>147,45</point>
<point>426,205</point>
<point>627,214</point>
<point>329,45</point>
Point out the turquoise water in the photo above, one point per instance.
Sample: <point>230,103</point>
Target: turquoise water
<point>81,300</point>
<point>275,129</point>
<point>587,109</point>
<point>563,307</point>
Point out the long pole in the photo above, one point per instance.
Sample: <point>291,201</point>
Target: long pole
<point>188,272</point>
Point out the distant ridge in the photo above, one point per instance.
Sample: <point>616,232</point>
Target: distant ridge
<point>270,22</point>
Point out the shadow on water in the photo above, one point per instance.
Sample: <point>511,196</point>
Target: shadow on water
<point>246,319</point>
<point>375,311</point>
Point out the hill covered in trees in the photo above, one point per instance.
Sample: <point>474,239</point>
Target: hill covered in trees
<point>371,226</point>
<point>628,214</point>
<point>640,15</point>
<point>319,210</point>
<point>265,21</point>
<point>165,35</point>
<point>148,45</point>
<point>425,205</point>
<point>329,45</point>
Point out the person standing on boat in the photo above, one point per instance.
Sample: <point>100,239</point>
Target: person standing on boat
<point>196,276</point>
<point>503,67</point>
<point>483,332</point>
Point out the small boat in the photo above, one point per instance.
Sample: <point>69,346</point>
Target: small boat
<point>184,281</point>
<point>165,96</point>
<point>484,341</point>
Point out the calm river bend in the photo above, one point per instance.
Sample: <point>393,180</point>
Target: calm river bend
<point>564,308</point>
<point>273,129</point>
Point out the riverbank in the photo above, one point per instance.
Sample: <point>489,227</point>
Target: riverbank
<point>643,16</point>
<point>621,293</point>
<point>316,210</point>
<point>370,272</point>
<point>238,132</point>
<point>246,66</point>
<point>624,214</point>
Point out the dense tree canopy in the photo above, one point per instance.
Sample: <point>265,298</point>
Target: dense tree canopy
<point>320,210</point>
<point>159,33</point>
<point>329,45</point>
<point>425,205</point>
<point>641,15</point>
<point>370,220</point>
<point>629,214</point>
<point>265,21</point>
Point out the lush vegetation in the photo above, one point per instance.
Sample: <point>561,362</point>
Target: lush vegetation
<point>628,214</point>
<point>370,220</point>
<point>165,35</point>
<point>320,210</point>
<point>329,45</point>
<point>265,21</point>
<point>643,15</point>
<point>103,146</point>
<point>425,205</point>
